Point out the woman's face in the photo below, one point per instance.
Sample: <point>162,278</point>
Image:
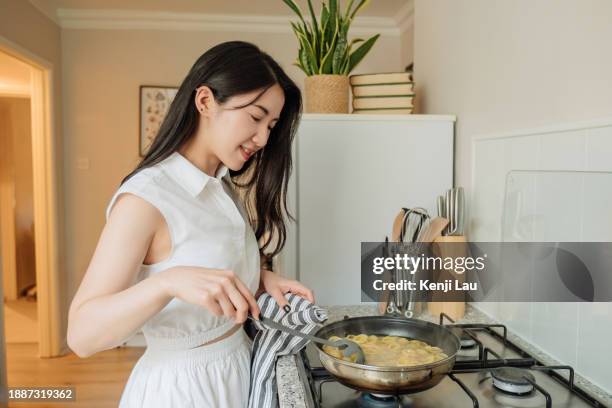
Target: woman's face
<point>234,135</point>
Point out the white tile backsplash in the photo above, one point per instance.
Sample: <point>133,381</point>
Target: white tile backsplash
<point>563,150</point>
<point>550,207</point>
<point>596,211</point>
<point>491,309</point>
<point>487,173</point>
<point>518,317</point>
<point>594,335</point>
<point>599,149</point>
<point>522,153</point>
<point>554,329</point>
<point>558,207</point>
<point>520,219</point>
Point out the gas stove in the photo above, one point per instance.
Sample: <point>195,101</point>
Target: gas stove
<point>490,371</point>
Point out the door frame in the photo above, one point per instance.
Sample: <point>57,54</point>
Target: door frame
<point>46,186</point>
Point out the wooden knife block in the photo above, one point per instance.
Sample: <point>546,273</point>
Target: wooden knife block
<point>438,304</point>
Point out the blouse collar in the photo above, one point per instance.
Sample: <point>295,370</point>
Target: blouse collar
<point>188,175</point>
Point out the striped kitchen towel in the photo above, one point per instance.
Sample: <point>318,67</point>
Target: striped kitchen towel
<point>270,344</point>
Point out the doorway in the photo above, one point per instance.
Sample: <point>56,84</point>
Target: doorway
<point>17,252</point>
<point>28,203</point>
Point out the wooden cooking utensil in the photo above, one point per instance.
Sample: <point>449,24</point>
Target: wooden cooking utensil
<point>438,304</point>
<point>433,230</point>
<point>397,226</point>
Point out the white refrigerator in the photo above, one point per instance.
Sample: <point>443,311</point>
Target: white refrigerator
<point>352,174</point>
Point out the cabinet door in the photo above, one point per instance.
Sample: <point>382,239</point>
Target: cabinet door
<point>353,174</point>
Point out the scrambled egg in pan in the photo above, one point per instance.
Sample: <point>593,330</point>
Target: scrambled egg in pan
<point>389,351</point>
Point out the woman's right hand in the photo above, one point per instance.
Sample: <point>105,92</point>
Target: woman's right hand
<point>220,291</point>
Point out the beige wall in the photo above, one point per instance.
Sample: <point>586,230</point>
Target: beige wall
<point>102,72</point>
<point>407,46</point>
<point>30,30</point>
<point>502,65</point>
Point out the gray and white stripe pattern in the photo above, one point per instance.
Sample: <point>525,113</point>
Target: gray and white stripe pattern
<point>270,343</point>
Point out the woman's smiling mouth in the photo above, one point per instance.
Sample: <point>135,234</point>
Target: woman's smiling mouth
<point>246,153</point>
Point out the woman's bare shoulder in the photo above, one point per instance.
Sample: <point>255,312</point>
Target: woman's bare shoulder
<point>133,211</point>
<point>137,194</point>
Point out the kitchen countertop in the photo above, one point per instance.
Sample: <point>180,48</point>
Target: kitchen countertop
<point>291,393</point>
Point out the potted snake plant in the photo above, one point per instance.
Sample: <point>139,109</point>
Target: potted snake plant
<point>325,54</point>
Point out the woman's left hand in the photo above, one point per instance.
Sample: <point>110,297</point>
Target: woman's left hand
<point>277,286</point>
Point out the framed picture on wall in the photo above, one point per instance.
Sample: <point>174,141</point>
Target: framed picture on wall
<point>154,104</point>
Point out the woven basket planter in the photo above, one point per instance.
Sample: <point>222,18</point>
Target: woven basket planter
<point>327,93</point>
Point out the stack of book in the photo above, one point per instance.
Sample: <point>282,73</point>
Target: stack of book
<point>382,93</point>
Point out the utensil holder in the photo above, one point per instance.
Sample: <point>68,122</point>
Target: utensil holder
<point>438,302</point>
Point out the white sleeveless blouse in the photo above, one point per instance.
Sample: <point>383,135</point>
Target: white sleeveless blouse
<point>209,228</point>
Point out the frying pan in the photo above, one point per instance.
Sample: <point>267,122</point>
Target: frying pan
<point>390,380</point>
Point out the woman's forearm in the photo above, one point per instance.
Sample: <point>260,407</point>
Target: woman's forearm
<point>106,321</point>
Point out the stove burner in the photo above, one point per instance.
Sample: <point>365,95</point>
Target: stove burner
<point>367,400</point>
<point>512,380</point>
<point>465,340</point>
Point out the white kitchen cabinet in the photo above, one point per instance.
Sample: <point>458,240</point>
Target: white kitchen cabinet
<point>352,174</point>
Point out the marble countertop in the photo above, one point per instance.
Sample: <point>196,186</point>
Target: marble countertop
<point>291,393</point>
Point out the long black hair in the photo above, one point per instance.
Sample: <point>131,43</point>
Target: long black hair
<point>229,69</point>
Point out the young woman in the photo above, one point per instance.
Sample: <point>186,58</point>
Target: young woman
<point>179,256</point>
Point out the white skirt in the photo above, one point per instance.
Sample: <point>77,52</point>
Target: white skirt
<point>215,376</point>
